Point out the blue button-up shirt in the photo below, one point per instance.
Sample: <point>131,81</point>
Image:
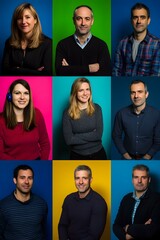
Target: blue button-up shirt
<point>137,133</point>
<point>147,62</point>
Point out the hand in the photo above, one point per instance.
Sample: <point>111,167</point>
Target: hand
<point>148,222</point>
<point>147,157</point>
<point>127,156</point>
<point>64,62</point>
<point>94,67</point>
<point>128,237</point>
<point>40,69</point>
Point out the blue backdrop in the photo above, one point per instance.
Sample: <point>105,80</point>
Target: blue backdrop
<point>121,24</point>
<point>120,97</point>
<point>42,185</point>
<point>43,8</point>
<point>61,92</point>
<point>122,182</point>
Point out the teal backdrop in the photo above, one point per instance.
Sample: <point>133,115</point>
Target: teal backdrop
<point>63,24</point>
<point>101,92</point>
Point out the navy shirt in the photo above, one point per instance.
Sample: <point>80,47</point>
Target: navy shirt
<point>137,133</point>
<point>82,218</point>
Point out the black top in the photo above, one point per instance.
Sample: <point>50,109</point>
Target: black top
<point>82,218</point>
<point>149,208</point>
<point>15,62</point>
<point>96,51</point>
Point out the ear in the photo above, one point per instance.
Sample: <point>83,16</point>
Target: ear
<point>149,20</point>
<point>92,21</point>
<point>149,179</point>
<point>147,94</point>
<point>14,180</point>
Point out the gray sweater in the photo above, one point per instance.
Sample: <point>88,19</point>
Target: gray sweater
<point>84,135</point>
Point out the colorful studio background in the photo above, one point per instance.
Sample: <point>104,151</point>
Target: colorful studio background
<point>63,23</point>
<point>120,97</point>
<point>122,182</point>
<point>61,93</point>
<point>41,88</point>
<point>42,185</point>
<point>43,8</point>
<point>63,184</point>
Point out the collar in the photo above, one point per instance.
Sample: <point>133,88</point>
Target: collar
<point>146,39</point>
<point>85,43</point>
<point>87,197</point>
<point>132,109</point>
<point>144,195</point>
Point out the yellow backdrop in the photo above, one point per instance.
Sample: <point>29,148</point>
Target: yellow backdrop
<point>63,184</point>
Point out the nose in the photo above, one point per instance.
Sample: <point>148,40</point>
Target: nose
<point>136,95</point>
<point>26,180</point>
<point>83,21</point>
<point>138,20</point>
<point>22,96</point>
<point>81,181</point>
<point>139,180</point>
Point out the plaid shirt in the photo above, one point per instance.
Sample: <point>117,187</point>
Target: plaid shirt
<point>147,62</point>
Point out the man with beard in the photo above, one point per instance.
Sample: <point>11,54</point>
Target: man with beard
<point>84,212</point>
<point>82,53</point>
<point>139,53</point>
<point>136,130</point>
<point>138,216</point>
<point>23,214</point>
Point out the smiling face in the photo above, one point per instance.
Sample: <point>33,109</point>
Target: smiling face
<point>20,97</point>
<point>83,20</point>
<point>26,22</point>
<point>84,93</point>
<point>82,182</point>
<point>24,181</point>
<point>138,95</point>
<point>140,20</point>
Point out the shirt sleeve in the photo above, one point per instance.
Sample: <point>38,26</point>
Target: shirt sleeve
<point>118,62</point>
<point>63,224</point>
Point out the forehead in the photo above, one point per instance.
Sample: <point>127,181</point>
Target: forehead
<point>81,173</point>
<point>139,12</point>
<point>84,85</point>
<point>27,172</point>
<point>83,11</point>
<point>137,86</point>
<point>19,87</point>
<point>139,172</point>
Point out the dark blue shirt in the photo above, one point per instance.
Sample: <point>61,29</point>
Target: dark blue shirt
<point>82,218</point>
<point>137,133</point>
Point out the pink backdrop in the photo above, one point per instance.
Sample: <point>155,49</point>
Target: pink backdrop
<point>42,97</point>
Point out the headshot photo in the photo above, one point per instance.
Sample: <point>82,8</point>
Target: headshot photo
<point>89,128</point>
<point>82,48</point>
<point>135,118</point>
<point>26,122</point>
<point>26,200</point>
<point>135,39</point>
<point>26,42</point>
<point>88,188</point>
<point>136,202</point>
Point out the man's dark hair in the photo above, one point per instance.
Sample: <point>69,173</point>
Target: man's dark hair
<point>140,6</point>
<point>21,167</point>
<point>142,168</point>
<point>74,13</point>
<point>139,81</point>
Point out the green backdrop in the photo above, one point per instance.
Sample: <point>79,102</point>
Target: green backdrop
<point>63,24</point>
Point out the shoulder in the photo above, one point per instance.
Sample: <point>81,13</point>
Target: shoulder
<point>66,40</point>
<point>153,37</point>
<point>124,110</point>
<point>38,114</point>
<point>97,107</point>
<point>97,196</point>
<point>1,118</point>
<point>38,200</point>
<point>126,198</point>
<point>6,201</point>
<point>98,41</point>
<point>153,110</point>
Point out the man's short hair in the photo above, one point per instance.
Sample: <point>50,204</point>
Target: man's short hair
<point>141,167</point>
<point>139,81</point>
<point>83,168</point>
<point>21,167</point>
<point>140,6</point>
<point>74,13</point>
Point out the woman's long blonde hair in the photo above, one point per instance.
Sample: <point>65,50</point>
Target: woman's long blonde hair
<point>16,35</point>
<point>74,111</point>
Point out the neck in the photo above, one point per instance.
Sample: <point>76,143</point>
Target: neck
<point>140,36</point>
<point>21,196</point>
<point>139,194</point>
<point>82,106</point>
<point>139,108</point>
<point>82,38</point>
<point>83,195</point>
<point>19,114</point>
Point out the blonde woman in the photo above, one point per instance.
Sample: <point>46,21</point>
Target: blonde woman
<point>23,134</point>
<point>27,51</point>
<point>83,123</point>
